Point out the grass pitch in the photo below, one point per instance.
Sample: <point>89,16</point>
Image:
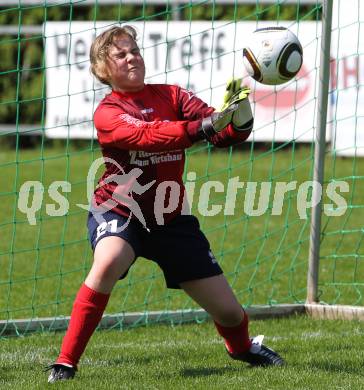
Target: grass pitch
<point>320,355</point>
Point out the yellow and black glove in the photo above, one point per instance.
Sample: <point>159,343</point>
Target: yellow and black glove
<point>232,87</point>
<point>242,118</point>
<point>236,110</point>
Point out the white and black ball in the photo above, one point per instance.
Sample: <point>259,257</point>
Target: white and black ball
<point>273,55</point>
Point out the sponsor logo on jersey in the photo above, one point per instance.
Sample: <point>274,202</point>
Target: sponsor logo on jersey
<point>143,159</point>
<point>131,120</point>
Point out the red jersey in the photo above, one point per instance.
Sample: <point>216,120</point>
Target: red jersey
<point>146,132</point>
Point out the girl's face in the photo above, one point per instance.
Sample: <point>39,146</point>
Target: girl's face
<point>125,66</point>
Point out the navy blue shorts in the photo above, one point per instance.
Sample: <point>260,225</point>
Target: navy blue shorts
<point>180,248</point>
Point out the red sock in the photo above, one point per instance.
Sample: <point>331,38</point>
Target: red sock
<point>87,311</point>
<point>237,337</point>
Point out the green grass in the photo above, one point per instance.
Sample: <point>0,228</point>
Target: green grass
<point>264,257</point>
<point>320,355</point>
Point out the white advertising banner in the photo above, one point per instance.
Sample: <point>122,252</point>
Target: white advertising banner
<point>193,55</point>
<point>347,78</point>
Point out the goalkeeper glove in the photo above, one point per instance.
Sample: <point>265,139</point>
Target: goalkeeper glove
<point>232,87</point>
<point>242,118</point>
<point>237,112</point>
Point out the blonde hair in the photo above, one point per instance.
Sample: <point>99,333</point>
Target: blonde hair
<point>100,49</point>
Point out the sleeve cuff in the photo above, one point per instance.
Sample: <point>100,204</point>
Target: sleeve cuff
<point>193,131</point>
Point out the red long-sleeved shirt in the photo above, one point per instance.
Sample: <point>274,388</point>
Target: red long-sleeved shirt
<point>149,130</point>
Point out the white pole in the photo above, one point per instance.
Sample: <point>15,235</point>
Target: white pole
<point>319,158</point>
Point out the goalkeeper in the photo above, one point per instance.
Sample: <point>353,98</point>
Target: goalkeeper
<point>145,128</point>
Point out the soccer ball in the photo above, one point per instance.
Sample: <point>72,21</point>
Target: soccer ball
<point>273,56</point>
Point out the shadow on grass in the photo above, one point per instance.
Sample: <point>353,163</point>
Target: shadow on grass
<point>208,371</point>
